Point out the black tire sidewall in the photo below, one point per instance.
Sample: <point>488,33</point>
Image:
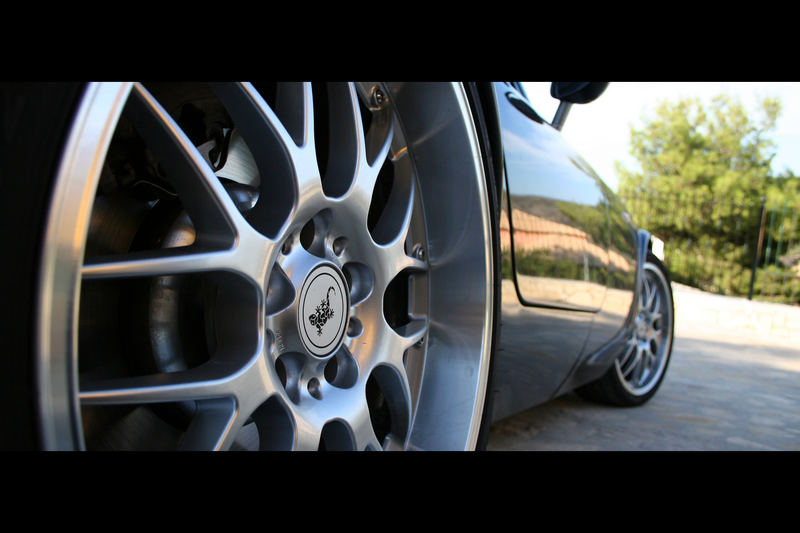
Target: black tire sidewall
<point>35,120</point>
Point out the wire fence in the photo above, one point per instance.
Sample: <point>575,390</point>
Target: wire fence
<point>748,248</point>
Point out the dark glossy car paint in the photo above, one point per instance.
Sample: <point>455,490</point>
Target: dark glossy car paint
<point>570,261</point>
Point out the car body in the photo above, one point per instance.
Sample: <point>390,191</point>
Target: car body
<point>573,257</point>
<point>275,266</point>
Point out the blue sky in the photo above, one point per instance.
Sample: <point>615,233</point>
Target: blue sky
<point>600,131</point>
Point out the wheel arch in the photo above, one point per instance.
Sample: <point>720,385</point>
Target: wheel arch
<point>484,112</point>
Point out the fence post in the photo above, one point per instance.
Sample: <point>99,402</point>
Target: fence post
<point>760,242</point>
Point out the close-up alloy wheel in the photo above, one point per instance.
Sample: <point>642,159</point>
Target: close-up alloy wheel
<point>267,266</point>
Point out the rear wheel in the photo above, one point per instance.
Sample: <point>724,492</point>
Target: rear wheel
<point>639,369</point>
<point>266,266</point>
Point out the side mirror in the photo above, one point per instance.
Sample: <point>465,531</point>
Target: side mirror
<point>573,92</point>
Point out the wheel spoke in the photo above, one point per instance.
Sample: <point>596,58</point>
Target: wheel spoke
<point>213,426</point>
<point>364,433</point>
<point>643,297</point>
<point>396,390</point>
<point>654,317</point>
<point>411,333</point>
<point>260,125</point>
<point>344,134</point>
<point>208,381</point>
<point>651,360</point>
<point>651,293</point>
<point>641,365</point>
<point>634,362</point>
<point>307,436</point>
<point>380,126</point>
<point>387,229</point>
<point>213,213</point>
<point>369,443</point>
<point>378,141</point>
<point>631,346</point>
<point>373,150</point>
<point>160,262</point>
<point>282,143</point>
<point>395,259</point>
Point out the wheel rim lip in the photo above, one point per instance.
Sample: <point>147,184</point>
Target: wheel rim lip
<point>478,327</point>
<point>655,374</point>
<point>60,279</point>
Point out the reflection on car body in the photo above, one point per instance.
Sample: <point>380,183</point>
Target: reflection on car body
<point>569,263</point>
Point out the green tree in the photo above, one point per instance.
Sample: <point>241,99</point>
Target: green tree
<point>783,189</point>
<point>703,172</point>
<point>703,151</point>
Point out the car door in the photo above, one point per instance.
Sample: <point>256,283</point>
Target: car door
<point>553,231</point>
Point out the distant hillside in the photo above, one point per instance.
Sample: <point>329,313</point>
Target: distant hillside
<point>542,207</point>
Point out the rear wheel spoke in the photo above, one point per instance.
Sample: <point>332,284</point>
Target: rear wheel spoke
<point>631,347</point>
<point>637,356</point>
<point>655,305</point>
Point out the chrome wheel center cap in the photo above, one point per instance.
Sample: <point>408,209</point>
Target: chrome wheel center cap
<point>323,310</point>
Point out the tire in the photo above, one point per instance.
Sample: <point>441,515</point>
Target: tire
<point>35,122</point>
<point>261,267</point>
<point>639,370</point>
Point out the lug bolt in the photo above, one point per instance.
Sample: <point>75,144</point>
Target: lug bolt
<point>376,98</point>
<point>314,388</point>
<point>419,252</point>
<point>338,245</point>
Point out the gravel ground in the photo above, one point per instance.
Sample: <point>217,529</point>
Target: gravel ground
<point>725,390</point>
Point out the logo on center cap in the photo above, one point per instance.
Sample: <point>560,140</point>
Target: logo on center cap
<point>322,314</point>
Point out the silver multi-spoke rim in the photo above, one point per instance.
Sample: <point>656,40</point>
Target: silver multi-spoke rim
<point>646,353</point>
<point>263,241</point>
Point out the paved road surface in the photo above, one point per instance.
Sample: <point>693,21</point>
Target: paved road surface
<point>726,389</point>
